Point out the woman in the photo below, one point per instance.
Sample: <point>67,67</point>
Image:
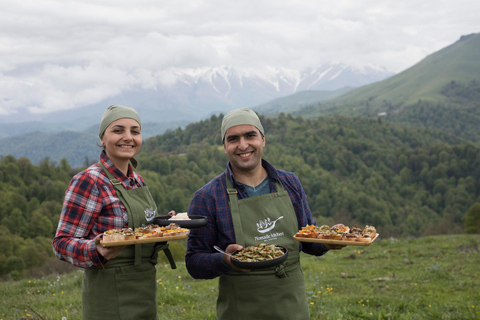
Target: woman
<point>118,282</point>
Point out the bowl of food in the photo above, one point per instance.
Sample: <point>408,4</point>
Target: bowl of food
<point>259,256</point>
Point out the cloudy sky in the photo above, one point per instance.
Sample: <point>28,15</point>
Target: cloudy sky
<point>67,53</point>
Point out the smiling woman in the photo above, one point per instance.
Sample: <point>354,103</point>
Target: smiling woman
<point>110,195</point>
<point>121,141</point>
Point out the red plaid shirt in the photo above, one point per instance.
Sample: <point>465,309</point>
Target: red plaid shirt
<point>91,207</point>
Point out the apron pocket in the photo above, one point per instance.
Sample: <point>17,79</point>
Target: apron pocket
<point>98,295</point>
<point>280,298</point>
<point>137,291</point>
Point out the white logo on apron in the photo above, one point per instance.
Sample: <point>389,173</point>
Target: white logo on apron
<point>266,225</point>
<point>149,214</point>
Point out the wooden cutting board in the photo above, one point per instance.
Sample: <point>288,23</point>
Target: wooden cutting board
<point>339,242</point>
<point>140,241</point>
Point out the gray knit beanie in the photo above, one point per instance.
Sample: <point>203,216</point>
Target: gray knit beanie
<point>115,112</point>
<point>238,117</point>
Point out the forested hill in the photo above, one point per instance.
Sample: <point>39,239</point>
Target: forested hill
<point>405,181</point>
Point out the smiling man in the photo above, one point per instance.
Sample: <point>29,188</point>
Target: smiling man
<point>251,200</point>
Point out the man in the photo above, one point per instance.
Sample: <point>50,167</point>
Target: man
<point>249,203</point>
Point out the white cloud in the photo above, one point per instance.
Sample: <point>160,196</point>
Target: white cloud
<point>62,54</point>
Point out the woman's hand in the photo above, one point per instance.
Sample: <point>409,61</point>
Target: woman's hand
<point>107,252</point>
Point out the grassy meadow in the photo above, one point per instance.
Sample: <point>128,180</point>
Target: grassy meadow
<point>434,277</point>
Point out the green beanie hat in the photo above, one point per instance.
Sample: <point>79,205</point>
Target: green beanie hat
<point>115,112</point>
<point>238,117</point>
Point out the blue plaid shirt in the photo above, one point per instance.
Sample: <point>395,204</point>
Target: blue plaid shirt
<point>202,261</point>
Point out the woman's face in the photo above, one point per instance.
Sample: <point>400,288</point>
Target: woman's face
<point>122,140</point>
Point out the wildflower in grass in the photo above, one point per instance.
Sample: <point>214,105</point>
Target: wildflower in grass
<point>312,303</point>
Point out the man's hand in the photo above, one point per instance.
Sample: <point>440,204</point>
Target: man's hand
<point>231,249</point>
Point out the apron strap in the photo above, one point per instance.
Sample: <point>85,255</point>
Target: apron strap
<point>163,246</point>
<point>122,193</point>
<point>233,197</point>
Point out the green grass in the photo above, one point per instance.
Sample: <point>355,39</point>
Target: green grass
<point>425,278</point>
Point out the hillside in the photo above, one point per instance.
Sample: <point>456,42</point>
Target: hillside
<point>458,62</point>
<point>405,181</point>
<point>297,101</point>
<point>441,92</point>
<point>78,147</point>
<point>401,279</point>
<point>353,170</point>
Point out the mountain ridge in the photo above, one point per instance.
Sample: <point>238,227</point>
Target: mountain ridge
<point>194,94</point>
<point>458,62</point>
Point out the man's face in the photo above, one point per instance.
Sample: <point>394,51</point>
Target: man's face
<point>244,145</point>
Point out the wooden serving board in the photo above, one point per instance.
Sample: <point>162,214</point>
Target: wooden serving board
<point>140,241</point>
<point>339,242</point>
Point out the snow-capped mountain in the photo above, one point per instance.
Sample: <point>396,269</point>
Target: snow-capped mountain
<point>176,98</point>
<point>190,95</point>
<point>196,93</point>
<point>234,85</point>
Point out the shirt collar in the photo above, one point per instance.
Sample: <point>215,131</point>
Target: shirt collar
<point>271,171</point>
<point>117,173</point>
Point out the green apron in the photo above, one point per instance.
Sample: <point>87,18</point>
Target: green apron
<point>273,293</point>
<point>126,288</point>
